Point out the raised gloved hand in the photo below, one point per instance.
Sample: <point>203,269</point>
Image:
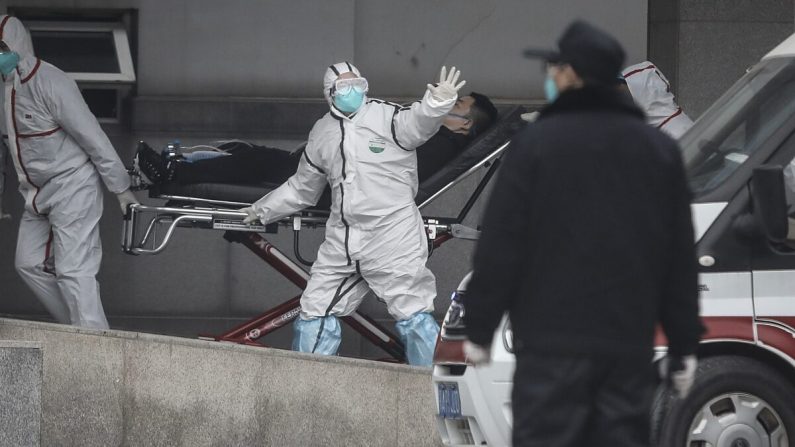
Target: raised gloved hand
<point>679,373</point>
<point>447,88</point>
<point>476,354</point>
<point>126,198</point>
<point>252,216</point>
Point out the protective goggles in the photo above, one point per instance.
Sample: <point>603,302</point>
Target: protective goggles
<point>345,86</point>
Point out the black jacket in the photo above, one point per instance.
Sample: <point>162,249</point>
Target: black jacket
<point>587,240</point>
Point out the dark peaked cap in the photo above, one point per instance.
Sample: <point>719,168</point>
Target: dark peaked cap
<point>596,56</point>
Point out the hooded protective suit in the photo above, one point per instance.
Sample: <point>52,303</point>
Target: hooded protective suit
<point>61,155</point>
<point>20,34</point>
<point>652,92</point>
<point>375,234</point>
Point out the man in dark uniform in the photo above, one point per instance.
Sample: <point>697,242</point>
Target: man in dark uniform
<point>588,244</point>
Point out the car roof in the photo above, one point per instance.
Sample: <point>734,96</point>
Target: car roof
<point>784,49</point>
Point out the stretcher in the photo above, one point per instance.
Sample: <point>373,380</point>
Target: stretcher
<point>148,230</point>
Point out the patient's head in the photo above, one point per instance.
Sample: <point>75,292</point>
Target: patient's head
<point>471,115</point>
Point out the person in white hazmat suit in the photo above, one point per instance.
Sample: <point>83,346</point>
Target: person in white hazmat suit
<point>61,155</point>
<point>364,149</point>
<point>652,92</point>
<point>17,33</point>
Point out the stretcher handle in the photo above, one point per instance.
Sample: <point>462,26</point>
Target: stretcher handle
<point>169,233</point>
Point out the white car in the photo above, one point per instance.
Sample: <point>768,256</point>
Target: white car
<point>739,160</point>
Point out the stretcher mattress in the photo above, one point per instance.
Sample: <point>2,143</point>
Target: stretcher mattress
<point>507,125</point>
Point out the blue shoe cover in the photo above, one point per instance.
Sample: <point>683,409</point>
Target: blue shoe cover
<point>418,335</point>
<point>318,335</point>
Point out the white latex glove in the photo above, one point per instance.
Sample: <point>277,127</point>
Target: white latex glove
<point>476,354</point>
<point>3,215</point>
<point>126,198</point>
<point>530,117</point>
<point>252,217</point>
<point>679,373</point>
<point>447,88</point>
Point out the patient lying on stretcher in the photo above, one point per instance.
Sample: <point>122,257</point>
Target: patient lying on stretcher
<point>243,163</point>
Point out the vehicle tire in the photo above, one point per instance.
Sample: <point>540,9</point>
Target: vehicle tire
<point>734,402</point>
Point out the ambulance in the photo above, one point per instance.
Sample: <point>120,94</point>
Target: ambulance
<point>739,160</point>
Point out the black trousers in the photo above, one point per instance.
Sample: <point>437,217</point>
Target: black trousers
<point>579,401</point>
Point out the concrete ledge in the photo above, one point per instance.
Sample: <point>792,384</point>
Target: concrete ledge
<point>20,393</point>
<point>122,388</point>
<point>226,115</point>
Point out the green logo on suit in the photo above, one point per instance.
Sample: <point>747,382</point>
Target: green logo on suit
<point>377,145</point>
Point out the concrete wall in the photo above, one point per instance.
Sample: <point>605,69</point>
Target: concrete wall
<point>20,393</point>
<point>704,46</point>
<point>125,389</point>
<point>280,49</point>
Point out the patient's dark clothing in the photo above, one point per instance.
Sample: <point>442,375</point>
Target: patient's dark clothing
<point>439,150</point>
<point>244,164</point>
<point>258,164</point>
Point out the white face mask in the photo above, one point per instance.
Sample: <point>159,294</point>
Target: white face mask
<point>349,102</point>
<point>459,123</point>
<point>8,62</point>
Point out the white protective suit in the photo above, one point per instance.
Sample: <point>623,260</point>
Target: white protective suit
<point>652,92</point>
<point>375,234</point>
<point>20,34</point>
<point>61,155</point>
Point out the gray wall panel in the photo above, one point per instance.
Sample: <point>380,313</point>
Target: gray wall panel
<point>241,47</point>
<point>484,39</point>
<point>280,49</point>
<point>735,10</point>
<point>703,46</point>
<point>713,55</point>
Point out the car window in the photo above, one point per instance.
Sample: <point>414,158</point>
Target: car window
<point>739,124</point>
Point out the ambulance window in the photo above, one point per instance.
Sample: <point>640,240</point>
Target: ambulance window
<point>789,185</point>
<point>739,124</point>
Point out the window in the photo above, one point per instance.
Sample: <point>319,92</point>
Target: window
<point>739,124</point>
<point>104,103</point>
<point>89,52</point>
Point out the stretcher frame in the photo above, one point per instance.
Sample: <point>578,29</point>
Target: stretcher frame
<point>196,212</point>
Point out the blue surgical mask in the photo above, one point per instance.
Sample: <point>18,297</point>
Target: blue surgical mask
<point>349,102</point>
<point>550,89</point>
<point>8,62</point>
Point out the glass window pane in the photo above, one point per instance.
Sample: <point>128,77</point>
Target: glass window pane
<point>102,102</point>
<point>77,51</point>
<point>740,123</point>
